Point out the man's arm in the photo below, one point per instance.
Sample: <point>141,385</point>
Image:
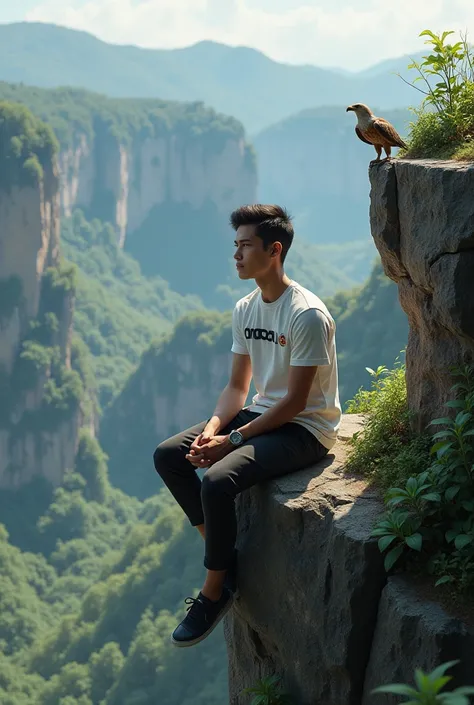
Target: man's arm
<point>233,396</point>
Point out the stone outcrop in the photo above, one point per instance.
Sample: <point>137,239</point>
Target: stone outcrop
<point>314,605</point>
<point>422,221</point>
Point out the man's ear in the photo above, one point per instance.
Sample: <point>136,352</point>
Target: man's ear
<point>276,248</point>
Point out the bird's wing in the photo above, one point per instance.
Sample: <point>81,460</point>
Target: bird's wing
<point>361,136</point>
<point>388,132</point>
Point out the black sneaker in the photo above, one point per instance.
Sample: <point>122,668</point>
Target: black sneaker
<point>203,617</point>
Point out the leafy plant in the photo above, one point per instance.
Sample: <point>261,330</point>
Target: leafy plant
<point>266,692</point>
<point>445,119</point>
<point>445,64</point>
<point>428,688</point>
<point>436,507</point>
<point>386,450</point>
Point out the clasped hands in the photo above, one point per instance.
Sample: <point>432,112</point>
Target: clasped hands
<point>208,448</point>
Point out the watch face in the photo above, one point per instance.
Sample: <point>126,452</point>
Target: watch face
<point>235,437</point>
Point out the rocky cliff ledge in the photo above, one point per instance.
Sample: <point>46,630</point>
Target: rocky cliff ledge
<point>315,606</point>
<point>422,221</point>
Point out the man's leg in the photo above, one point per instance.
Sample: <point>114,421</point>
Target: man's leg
<point>180,476</point>
<point>286,449</point>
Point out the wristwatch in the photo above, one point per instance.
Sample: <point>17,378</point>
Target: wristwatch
<point>236,438</point>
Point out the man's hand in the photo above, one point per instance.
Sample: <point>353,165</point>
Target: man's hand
<point>203,438</point>
<point>208,453</point>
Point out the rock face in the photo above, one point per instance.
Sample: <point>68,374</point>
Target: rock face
<point>422,221</point>
<point>414,632</point>
<point>314,606</point>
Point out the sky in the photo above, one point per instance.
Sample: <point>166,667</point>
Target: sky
<point>339,33</point>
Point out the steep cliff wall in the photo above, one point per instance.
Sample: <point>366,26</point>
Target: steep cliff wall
<point>422,221</point>
<point>39,389</point>
<point>123,183</point>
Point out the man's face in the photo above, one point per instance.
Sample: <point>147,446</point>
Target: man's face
<point>251,259</point>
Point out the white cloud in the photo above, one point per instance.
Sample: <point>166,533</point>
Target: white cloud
<point>337,33</point>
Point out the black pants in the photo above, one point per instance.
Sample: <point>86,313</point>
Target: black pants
<point>211,502</point>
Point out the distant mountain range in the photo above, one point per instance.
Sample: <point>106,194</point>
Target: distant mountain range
<point>238,81</point>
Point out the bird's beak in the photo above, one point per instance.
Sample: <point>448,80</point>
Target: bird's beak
<point>349,108</point>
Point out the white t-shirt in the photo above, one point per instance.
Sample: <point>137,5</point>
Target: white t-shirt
<point>295,330</point>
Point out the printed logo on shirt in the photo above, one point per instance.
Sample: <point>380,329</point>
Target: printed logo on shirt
<point>270,336</point>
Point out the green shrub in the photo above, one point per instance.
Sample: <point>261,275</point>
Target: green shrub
<point>432,513</point>
<point>387,451</point>
<point>27,147</point>
<point>91,464</point>
<point>267,692</point>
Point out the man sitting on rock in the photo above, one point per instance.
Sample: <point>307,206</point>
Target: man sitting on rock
<point>283,337</point>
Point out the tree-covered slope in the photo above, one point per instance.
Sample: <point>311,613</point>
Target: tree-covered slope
<point>238,81</point>
<point>158,171</point>
<point>86,619</point>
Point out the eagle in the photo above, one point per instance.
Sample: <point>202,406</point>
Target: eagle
<point>375,131</point>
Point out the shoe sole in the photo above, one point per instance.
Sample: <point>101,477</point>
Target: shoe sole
<point>222,614</point>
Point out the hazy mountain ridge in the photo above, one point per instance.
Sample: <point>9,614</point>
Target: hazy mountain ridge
<point>235,80</point>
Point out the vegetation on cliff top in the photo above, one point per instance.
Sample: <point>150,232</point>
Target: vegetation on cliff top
<point>73,111</point>
<point>444,126</point>
<point>27,147</point>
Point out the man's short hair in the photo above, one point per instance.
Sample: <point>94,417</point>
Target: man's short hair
<point>272,223</point>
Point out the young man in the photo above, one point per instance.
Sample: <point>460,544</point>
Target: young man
<point>283,336</point>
